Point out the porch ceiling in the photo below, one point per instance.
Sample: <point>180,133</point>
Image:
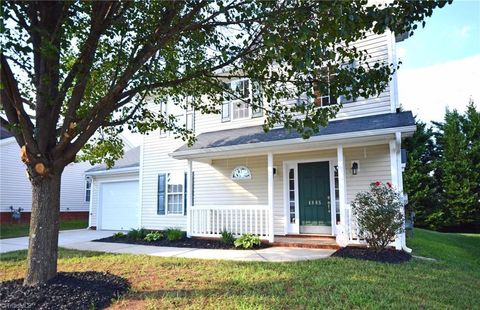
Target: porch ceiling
<point>235,141</point>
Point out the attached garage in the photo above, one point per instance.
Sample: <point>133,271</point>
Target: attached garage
<point>115,193</point>
<point>119,205</point>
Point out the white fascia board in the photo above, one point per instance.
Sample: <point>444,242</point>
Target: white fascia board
<point>408,130</point>
<point>113,171</point>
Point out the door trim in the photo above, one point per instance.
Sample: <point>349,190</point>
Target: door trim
<point>288,164</point>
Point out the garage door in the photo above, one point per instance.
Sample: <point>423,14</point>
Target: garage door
<point>119,205</point>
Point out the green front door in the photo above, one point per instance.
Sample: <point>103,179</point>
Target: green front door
<point>314,194</point>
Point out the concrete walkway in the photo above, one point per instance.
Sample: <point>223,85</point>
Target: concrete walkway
<point>81,240</point>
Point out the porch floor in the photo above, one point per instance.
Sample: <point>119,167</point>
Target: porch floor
<point>306,241</point>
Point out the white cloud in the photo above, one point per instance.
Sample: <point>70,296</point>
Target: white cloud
<point>428,91</point>
<point>464,32</point>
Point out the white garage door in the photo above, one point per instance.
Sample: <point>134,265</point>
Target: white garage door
<point>119,205</point>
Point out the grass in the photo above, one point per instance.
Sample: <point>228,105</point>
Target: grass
<point>21,230</point>
<point>453,282</point>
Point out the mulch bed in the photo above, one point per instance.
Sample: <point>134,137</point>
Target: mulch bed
<point>391,256</point>
<point>69,290</point>
<point>182,243</point>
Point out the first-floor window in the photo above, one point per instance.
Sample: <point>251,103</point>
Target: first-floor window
<point>88,190</point>
<point>175,192</point>
<point>172,193</point>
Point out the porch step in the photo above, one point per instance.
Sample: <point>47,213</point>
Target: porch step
<point>315,242</point>
<point>309,236</point>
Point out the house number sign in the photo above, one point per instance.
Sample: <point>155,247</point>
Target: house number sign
<point>241,173</point>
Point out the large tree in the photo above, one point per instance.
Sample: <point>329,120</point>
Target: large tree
<point>70,69</point>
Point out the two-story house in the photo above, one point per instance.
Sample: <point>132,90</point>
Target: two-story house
<point>240,179</point>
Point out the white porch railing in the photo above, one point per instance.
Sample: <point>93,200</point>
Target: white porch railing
<point>210,221</point>
<point>352,229</point>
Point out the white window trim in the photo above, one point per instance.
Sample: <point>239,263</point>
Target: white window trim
<point>184,115</point>
<point>231,103</point>
<point>167,213</point>
<point>88,189</point>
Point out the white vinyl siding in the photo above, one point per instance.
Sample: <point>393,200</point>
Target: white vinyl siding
<point>378,47</point>
<point>15,188</point>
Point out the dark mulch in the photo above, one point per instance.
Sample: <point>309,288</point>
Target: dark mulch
<point>391,256</point>
<point>69,290</point>
<point>182,243</point>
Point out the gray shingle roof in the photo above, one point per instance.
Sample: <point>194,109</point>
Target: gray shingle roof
<point>130,159</point>
<point>255,134</point>
<point>4,133</point>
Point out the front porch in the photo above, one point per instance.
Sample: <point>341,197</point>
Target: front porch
<point>275,184</point>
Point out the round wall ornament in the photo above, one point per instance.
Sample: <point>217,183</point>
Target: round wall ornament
<point>241,173</point>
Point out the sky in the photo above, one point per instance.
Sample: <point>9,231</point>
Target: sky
<point>441,62</point>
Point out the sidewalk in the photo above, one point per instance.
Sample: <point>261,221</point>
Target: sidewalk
<point>81,240</point>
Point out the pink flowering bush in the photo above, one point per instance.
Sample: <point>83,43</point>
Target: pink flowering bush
<point>378,213</point>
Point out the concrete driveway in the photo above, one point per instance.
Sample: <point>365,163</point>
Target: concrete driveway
<point>66,237</point>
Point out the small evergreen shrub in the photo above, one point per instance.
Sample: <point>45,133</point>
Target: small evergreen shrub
<point>247,241</point>
<point>378,214</point>
<point>174,234</point>
<point>227,237</point>
<point>153,236</point>
<point>118,235</point>
<point>137,234</point>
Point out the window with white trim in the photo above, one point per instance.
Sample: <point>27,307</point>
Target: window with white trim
<point>239,105</point>
<point>175,193</point>
<point>184,117</point>
<point>88,190</point>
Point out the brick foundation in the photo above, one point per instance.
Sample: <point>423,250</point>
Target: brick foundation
<point>6,217</point>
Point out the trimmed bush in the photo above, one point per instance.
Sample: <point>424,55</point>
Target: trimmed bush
<point>174,234</point>
<point>227,237</point>
<point>118,235</point>
<point>379,215</point>
<point>137,234</point>
<point>247,241</point>
<point>153,236</point>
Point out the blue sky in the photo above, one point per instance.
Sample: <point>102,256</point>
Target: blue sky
<point>451,33</point>
<point>441,62</point>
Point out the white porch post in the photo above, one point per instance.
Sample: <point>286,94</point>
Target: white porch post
<point>270,197</point>
<point>189,198</point>
<point>395,168</point>
<point>342,187</point>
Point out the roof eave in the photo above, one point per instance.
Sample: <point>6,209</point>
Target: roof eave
<point>187,154</point>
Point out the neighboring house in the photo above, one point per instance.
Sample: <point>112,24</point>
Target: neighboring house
<point>240,179</point>
<point>16,191</point>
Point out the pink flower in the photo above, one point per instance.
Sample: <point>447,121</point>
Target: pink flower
<point>389,185</point>
<point>377,183</point>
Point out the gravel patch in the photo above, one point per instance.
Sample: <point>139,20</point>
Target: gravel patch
<point>391,256</point>
<point>72,290</point>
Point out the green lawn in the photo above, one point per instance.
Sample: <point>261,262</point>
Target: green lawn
<point>20,230</point>
<point>453,282</point>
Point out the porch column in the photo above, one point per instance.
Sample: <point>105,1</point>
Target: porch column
<point>395,167</point>
<point>270,196</point>
<point>342,187</point>
<point>189,198</point>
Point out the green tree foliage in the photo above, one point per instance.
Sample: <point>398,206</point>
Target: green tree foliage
<point>442,179</point>
<point>419,182</point>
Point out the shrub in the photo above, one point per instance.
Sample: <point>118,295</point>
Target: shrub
<point>174,234</point>
<point>137,234</point>
<point>378,214</point>
<point>118,235</point>
<point>247,241</point>
<point>227,237</point>
<point>153,236</point>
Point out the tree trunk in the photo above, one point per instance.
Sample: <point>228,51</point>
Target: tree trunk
<point>44,225</point>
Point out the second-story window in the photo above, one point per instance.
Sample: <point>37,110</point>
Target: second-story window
<point>184,117</point>
<point>238,107</point>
